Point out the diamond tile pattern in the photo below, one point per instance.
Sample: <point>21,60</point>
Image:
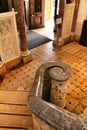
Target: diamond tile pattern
<point>72,54</point>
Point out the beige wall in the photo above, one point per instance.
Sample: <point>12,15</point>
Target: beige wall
<point>48,10</point>
<point>82,15</point>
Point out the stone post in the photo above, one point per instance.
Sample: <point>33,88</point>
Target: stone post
<point>19,7</point>
<point>59,84</point>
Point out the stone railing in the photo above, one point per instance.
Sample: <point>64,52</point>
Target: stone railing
<point>48,110</point>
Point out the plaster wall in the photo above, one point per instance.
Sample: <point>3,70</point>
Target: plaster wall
<point>82,15</point>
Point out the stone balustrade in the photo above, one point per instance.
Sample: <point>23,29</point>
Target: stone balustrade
<point>47,115</point>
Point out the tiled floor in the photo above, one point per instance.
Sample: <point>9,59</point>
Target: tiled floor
<point>75,55</point>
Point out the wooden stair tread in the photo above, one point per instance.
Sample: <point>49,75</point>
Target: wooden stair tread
<point>14,97</point>
<point>14,113</point>
<point>2,128</point>
<point>14,129</point>
<point>15,121</point>
<point>14,109</point>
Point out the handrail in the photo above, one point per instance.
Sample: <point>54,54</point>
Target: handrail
<point>58,118</point>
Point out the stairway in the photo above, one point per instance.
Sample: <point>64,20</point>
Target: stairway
<point>14,113</point>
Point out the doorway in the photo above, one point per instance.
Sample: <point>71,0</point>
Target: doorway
<point>51,12</point>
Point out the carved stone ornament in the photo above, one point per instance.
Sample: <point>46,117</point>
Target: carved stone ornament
<point>9,48</point>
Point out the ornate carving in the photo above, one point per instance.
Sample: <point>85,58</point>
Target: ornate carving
<point>8,37</point>
<point>5,27</point>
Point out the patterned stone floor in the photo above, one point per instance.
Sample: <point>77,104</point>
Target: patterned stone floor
<point>74,55</point>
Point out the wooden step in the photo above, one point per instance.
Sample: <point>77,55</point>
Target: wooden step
<point>14,113</point>
<point>14,97</point>
<point>14,109</point>
<point>14,129</point>
<point>1,128</point>
<point>15,121</point>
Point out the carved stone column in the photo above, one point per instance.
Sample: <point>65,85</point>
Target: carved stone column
<point>19,7</point>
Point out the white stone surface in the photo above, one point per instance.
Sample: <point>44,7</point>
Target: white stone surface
<point>67,20</point>
<point>9,48</point>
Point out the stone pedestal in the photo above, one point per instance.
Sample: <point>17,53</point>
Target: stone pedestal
<point>26,55</point>
<point>58,93</point>
<point>58,43</point>
<point>58,86</point>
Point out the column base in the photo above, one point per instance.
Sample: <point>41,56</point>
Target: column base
<point>58,43</point>
<point>56,47</point>
<point>72,36</point>
<point>26,56</point>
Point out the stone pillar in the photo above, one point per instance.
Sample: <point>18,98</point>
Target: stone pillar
<point>19,7</point>
<point>58,93</point>
<point>59,80</point>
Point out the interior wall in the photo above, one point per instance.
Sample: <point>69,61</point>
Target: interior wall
<point>82,15</point>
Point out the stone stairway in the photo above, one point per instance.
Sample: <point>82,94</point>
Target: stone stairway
<point>14,113</point>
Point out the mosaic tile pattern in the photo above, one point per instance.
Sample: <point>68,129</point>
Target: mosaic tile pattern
<point>74,55</point>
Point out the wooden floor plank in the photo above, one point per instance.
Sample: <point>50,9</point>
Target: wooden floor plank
<point>14,97</point>
<point>30,128</point>
<point>15,121</point>
<point>14,109</point>
<point>14,128</point>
